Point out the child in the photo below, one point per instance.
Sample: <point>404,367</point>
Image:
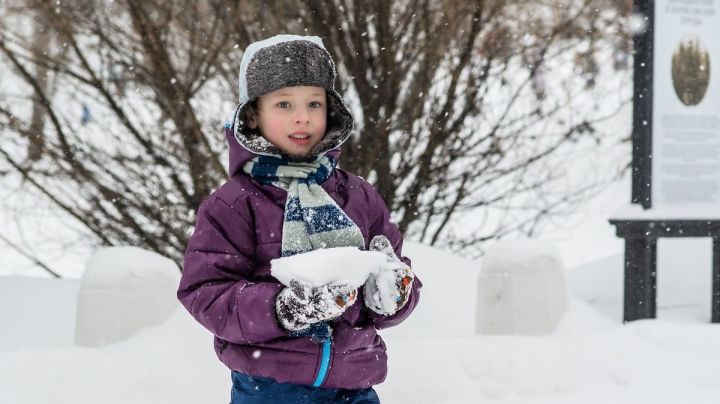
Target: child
<point>285,196</point>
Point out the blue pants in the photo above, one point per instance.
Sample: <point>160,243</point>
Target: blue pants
<point>261,390</point>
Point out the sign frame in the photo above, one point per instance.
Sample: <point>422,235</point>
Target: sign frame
<point>642,231</point>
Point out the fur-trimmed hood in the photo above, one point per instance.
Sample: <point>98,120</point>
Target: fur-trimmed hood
<point>286,61</point>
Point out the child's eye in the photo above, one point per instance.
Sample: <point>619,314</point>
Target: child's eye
<point>315,104</point>
<point>283,104</point>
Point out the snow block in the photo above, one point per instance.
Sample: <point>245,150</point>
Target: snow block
<point>123,290</point>
<point>521,289</point>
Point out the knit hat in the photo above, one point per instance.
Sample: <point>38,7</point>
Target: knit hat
<point>286,61</point>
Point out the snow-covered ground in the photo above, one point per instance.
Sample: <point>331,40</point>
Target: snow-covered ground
<point>434,356</point>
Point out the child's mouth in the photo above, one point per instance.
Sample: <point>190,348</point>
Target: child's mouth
<point>301,139</point>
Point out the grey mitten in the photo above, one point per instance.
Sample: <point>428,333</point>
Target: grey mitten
<point>387,291</point>
<point>300,305</point>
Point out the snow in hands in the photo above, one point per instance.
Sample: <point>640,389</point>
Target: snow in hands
<point>326,266</point>
<point>387,280</point>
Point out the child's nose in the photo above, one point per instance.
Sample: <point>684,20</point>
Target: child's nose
<point>302,116</point>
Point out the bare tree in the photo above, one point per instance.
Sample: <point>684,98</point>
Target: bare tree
<point>457,104</point>
<point>455,111</point>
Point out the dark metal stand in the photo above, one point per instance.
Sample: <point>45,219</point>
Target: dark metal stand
<point>641,235</point>
<point>642,125</point>
<point>640,261</point>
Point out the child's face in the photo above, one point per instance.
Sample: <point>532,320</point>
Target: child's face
<point>292,118</point>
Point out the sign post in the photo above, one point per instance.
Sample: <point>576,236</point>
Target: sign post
<point>676,143</point>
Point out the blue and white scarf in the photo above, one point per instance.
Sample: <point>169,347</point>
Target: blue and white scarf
<point>312,218</point>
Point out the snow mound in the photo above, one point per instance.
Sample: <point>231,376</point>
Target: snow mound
<point>129,267</point>
<point>522,255</point>
<point>521,289</point>
<point>123,290</point>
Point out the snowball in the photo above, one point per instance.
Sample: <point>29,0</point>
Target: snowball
<point>328,265</point>
<point>521,289</point>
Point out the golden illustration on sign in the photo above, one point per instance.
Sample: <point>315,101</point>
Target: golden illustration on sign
<point>690,71</point>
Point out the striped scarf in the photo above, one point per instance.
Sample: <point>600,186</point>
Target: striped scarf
<point>312,218</point>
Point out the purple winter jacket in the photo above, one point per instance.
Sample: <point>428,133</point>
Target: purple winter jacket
<point>226,283</point>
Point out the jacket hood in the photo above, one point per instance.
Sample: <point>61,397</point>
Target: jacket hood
<point>286,61</point>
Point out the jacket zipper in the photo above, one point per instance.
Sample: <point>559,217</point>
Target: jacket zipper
<point>324,363</point>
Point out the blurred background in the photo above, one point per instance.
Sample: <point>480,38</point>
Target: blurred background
<point>498,132</point>
<point>476,120</point>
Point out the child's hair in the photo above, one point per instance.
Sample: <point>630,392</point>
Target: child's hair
<point>251,108</point>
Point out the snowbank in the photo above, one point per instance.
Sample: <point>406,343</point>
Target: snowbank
<point>434,357</point>
<point>36,312</point>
